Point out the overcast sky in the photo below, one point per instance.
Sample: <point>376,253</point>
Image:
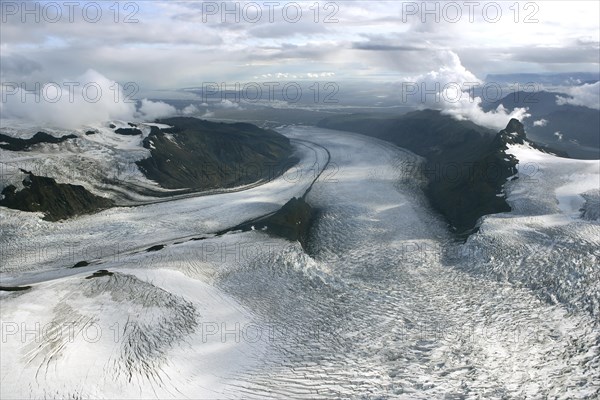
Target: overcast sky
<point>176,44</point>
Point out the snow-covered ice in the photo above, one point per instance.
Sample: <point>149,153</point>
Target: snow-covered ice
<point>384,305</point>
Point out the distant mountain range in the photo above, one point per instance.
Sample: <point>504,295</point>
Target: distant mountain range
<point>547,79</point>
<point>569,128</point>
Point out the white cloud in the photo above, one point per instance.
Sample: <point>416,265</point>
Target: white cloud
<point>190,110</point>
<point>73,103</point>
<point>208,114</point>
<point>587,95</point>
<point>151,110</point>
<point>540,122</point>
<point>320,75</point>
<point>173,34</point>
<point>496,119</point>
<point>228,104</point>
<point>90,98</point>
<point>448,89</point>
<point>558,135</point>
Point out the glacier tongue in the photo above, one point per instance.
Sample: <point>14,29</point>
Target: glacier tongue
<point>405,315</point>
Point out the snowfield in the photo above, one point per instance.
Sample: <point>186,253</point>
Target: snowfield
<point>31,244</point>
<point>550,241</point>
<point>104,163</point>
<point>135,334</point>
<point>385,304</point>
<point>570,179</point>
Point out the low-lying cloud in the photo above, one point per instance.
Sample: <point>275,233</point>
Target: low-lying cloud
<point>450,89</point>
<point>151,110</point>
<point>586,95</point>
<point>72,103</point>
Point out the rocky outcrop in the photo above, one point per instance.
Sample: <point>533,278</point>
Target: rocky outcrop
<point>577,126</point>
<point>100,273</point>
<point>16,144</point>
<point>56,200</point>
<point>14,288</point>
<point>128,131</point>
<point>292,222</point>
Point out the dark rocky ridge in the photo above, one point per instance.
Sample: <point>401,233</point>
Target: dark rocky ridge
<point>466,165</point>
<point>292,222</point>
<point>128,131</point>
<point>14,288</point>
<point>155,248</point>
<point>80,264</point>
<point>16,144</point>
<point>475,191</point>
<point>100,273</point>
<point>56,200</point>
<point>200,155</point>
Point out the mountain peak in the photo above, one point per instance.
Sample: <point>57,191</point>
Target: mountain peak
<point>513,133</point>
<point>514,125</point>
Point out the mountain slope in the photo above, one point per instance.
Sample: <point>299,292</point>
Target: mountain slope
<point>56,200</point>
<point>465,167</point>
<point>198,154</point>
<point>121,163</point>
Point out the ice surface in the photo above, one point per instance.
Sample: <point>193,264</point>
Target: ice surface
<point>386,304</point>
<point>569,178</point>
<point>544,243</point>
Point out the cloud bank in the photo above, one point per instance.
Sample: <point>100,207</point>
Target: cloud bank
<point>364,38</point>
<point>587,95</point>
<point>450,89</point>
<point>72,103</point>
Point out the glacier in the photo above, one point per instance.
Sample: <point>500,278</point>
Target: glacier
<point>385,302</point>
